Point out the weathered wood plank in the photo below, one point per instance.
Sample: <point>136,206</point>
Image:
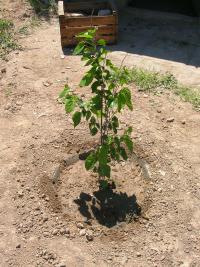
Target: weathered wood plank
<point>88,21</point>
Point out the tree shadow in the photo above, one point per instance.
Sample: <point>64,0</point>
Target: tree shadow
<point>108,207</point>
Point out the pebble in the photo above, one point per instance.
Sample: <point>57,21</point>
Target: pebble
<point>55,232</point>
<point>82,232</point>
<point>183,122</point>
<point>18,246</point>
<point>20,193</point>
<point>62,56</point>
<point>56,174</point>
<point>45,218</point>
<point>160,190</point>
<point>3,70</point>
<point>80,225</point>
<point>89,236</point>
<point>170,119</point>
<point>138,254</point>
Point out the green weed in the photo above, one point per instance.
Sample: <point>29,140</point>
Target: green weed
<point>7,38</point>
<point>152,81</point>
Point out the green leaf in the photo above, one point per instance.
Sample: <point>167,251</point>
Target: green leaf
<point>129,130</point>
<point>76,118</point>
<point>123,153</point>
<point>88,115</point>
<point>64,91</point>
<point>127,95</point>
<point>79,48</point>
<point>129,143</point>
<point>104,170</point>
<point>96,101</point>
<point>95,86</point>
<point>93,131</point>
<point>89,34</point>
<point>87,79</point>
<point>104,184</point>
<point>114,153</point>
<point>70,104</point>
<point>101,42</point>
<point>103,154</point>
<point>124,98</point>
<point>90,161</point>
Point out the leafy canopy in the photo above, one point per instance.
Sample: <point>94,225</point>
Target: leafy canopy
<point>109,96</point>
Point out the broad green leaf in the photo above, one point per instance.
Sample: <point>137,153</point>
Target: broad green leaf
<point>103,154</point>
<point>90,161</point>
<point>87,79</point>
<point>127,95</point>
<point>104,184</point>
<point>129,130</point>
<point>89,34</point>
<point>95,86</point>
<point>88,115</point>
<point>93,131</point>
<point>96,101</point>
<point>124,98</point>
<point>114,153</point>
<point>123,153</point>
<point>129,143</point>
<point>79,48</point>
<point>101,42</point>
<point>64,91</point>
<point>104,170</point>
<point>70,104</point>
<point>76,118</point>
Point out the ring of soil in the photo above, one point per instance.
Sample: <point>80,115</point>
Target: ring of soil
<point>76,195</point>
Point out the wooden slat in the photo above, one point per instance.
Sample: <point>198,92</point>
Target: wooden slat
<point>72,31</point>
<point>88,21</point>
<point>61,8</point>
<point>73,41</point>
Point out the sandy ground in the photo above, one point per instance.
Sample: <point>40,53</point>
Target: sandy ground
<point>46,224</point>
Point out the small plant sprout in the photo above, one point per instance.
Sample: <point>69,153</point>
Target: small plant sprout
<point>110,96</point>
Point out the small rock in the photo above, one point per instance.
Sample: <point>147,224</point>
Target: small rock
<point>160,190</point>
<point>159,110</point>
<point>47,198</point>
<point>63,231</point>
<point>80,225</point>
<point>55,232</point>
<point>162,172</point>
<point>82,232</point>
<point>3,70</point>
<point>47,84</point>
<point>18,246</point>
<point>67,231</point>
<point>170,119</point>
<point>62,56</point>
<point>145,96</point>
<point>89,236</point>
<point>20,193</point>
<point>56,174</point>
<point>183,122</point>
<point>45,218</point>
<point>138,254</point>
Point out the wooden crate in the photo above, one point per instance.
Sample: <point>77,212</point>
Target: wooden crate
<point>71,25</point>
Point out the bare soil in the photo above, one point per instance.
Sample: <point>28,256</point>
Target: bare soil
<point>52,213</point>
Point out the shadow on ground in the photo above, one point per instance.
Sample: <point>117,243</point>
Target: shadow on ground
<point>164,38</point>
<point>44,8</point>
<point>108,207</point>
<point>171,37</point>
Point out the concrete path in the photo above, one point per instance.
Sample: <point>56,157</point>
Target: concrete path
<point>161,42</point>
